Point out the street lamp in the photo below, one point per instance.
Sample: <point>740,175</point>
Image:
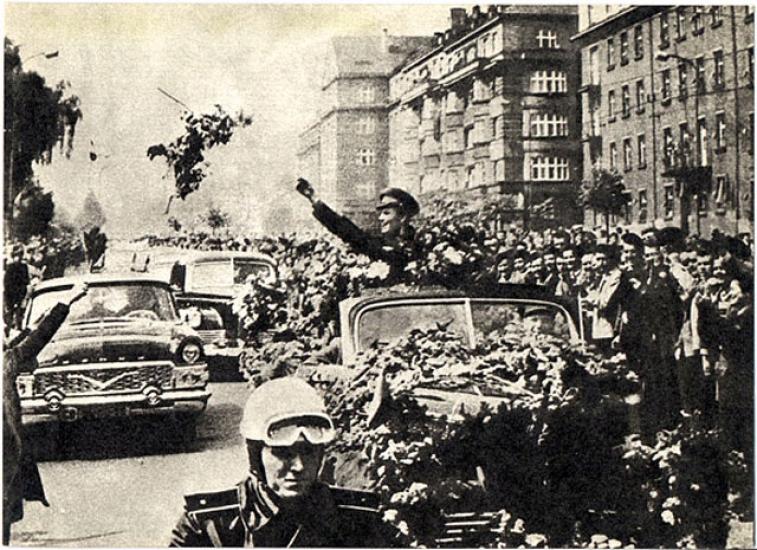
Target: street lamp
<point>697,173</point>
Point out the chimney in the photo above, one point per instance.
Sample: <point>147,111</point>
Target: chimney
<point>385,40</point>
<point>457,19</point>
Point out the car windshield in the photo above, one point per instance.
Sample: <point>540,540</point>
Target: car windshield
<point>390,322</point>
<point>244,268</point>
<point>114,301</point>
<point>218,275</point>
<point>386,324</point>
<point>501,316</point>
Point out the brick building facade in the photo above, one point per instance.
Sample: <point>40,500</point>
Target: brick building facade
<point>667,100</point>
<point>492,107</point>
<point>345,153</point>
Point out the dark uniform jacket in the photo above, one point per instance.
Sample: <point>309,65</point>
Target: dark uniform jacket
<point>329,517</point>
<point>20,473</point>
<point>394,252</point>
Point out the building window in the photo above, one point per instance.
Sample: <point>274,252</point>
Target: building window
<point>468,137</point>
<point>613,156</point>
<point>641,150</point>
<point>722,192</point>
<point>366,156</point>
<point>367,93</point>
<point>627,154</point>
<point>667,144</point>
<point>547,39</point>
<point>750,64</point>
<point>665,92</point>
<point>643,205</point>
<point>366,125</point>
<point>470,55</point>
<point>549,125</point>
<point>625,98</point>
<point>499,170</point>
<point>610,54</point>
<point>703,203</point>
<point>681,23</point>
<point>720,132</point>
<point>716,15</point>
<point>623,48</point>
<point>549,82</point>
<point>701,88</point>
<point>611,105</point>
<point>684,143</point>
<point>594,65</point>
<point>664,31</point>
<point>750,141</point>
<point>683,76</point>
<point>719,68</point>
<point>452,144</point>
<point>638,42</point>
<point>498,127</point>
<point>641,96</point>
<point>702,141</point>
<point>549,169</point>
<point>697,24</point>
<point>669,202</point>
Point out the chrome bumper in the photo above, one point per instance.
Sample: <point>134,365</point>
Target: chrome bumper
<point>35,410</point>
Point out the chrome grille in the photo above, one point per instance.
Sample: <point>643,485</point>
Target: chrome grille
<point>103,379</point>
<point>210,336</point>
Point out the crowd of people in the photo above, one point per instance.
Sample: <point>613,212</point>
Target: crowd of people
<point>678,306</point>
<point>29,262</point>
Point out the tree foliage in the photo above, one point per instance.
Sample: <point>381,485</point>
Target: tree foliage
<point>216,218</point>
<point>605,193</point>
<point>186,154</point>
<point>91,214</point>
<point>37,118</point>
<point>33,210</point>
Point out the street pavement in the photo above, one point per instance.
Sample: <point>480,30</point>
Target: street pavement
<point>121,483</point>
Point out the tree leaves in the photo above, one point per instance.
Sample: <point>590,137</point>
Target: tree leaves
<point>185,155</point>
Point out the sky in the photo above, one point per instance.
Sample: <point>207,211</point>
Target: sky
<point>264,59</point>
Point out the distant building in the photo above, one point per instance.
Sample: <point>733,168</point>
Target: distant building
<point>492,107</point>
<point>345,152</point>
<point>667,100</point>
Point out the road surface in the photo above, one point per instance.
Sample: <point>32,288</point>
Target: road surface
<point>121,483</point>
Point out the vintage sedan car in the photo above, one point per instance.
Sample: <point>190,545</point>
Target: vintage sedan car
<point>387,316</point>
<point>205,284</point>
<point>123,350</point>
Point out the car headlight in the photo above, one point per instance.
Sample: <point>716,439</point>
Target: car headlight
<point>25,385</point>
<point>189,377</point>
<point>190,352</point>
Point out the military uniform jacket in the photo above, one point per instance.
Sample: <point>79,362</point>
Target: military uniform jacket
<point>330,517</point>
<point>396,253</point>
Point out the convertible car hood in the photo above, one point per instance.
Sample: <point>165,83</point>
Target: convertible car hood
<point>107,341</point>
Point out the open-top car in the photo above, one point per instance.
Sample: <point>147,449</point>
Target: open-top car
<point>386,316</point>
<point>205,284</point>
<point>122,350</point>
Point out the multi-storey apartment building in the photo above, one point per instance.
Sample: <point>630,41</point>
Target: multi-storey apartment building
<point>345,152</point>
<point>492,106</point>
<point>667,100</point>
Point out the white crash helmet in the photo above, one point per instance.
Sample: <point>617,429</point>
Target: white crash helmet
<point>283,410</point>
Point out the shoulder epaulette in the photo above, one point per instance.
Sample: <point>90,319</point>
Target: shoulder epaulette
<point>355,499</point>
<point>206,503</point>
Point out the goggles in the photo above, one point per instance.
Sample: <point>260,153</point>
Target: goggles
<point>316,430</point>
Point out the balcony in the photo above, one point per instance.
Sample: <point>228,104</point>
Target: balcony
<point>464,71</point>
<point>536,55</point>
<point>419,90</point>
